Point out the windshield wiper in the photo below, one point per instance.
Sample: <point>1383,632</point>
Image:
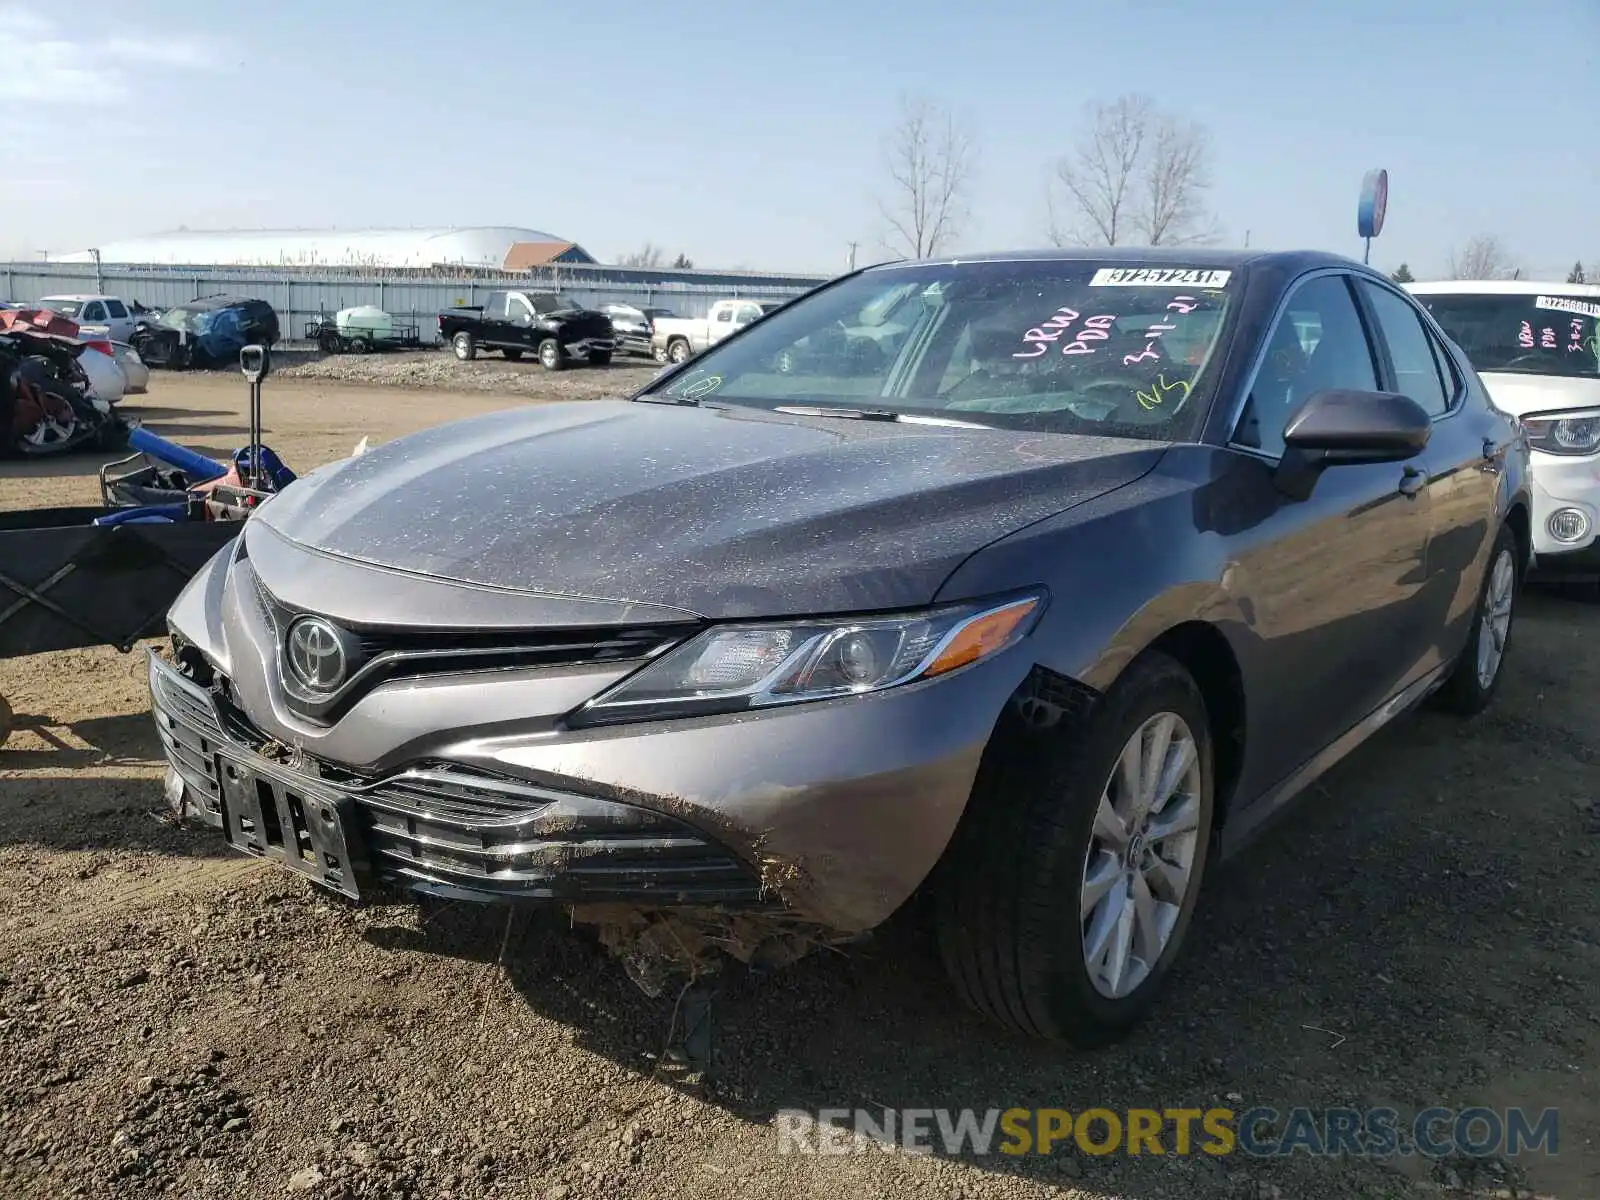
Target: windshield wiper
<point>663,398</point>
<point>878,414</point>
<point>849,414</point>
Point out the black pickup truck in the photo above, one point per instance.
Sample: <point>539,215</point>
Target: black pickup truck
<point>518,323</point>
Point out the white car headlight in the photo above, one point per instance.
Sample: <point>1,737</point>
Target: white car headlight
<point>732,668</point>
<point>1564,433</point>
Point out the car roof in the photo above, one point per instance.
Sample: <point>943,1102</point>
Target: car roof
<point>1501,287</point>
<point>1169,256</point>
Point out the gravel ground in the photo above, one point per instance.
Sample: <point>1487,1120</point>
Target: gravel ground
<point>178,1021</point>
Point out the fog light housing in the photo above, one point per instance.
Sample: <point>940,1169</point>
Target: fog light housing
<point>1568,524</point>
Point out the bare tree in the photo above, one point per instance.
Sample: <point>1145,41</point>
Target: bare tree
<point>1139,174</point>
<point>649,255</point>
<point>930,159</point>
<point>1483,257</point>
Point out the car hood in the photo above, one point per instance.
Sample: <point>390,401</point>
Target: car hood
<point>724,513</point>
<point>1520,394</point>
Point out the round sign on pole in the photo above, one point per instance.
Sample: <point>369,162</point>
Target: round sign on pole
<point>1374,203</point>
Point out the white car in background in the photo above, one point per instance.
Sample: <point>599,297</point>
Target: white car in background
<point>1536,347</point>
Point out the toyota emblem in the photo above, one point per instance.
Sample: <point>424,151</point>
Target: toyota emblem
<point>316,654</point>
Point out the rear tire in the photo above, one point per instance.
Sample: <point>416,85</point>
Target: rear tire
<point>678,351</point>
<point>551,357</point>
<point>465,346</point>
<point>1475,678</point>
<point>1035,845</point>
<point>5,721</point>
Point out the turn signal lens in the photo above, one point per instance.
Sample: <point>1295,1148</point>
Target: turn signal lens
<point>981,636</point>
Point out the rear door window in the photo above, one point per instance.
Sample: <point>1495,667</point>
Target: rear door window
<point>1416,367</point>
<point>115,308</point>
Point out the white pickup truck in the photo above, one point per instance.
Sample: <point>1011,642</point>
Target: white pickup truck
<point>675,339</point>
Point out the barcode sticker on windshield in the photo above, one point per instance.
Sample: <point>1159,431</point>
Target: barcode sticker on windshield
<point>1159,277</point>
<point>1587,308</point>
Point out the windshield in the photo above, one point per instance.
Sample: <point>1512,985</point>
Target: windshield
<point>1550,334</point>
<point>1067,347</point>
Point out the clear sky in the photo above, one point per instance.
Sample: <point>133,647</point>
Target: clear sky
<point>751,135</point>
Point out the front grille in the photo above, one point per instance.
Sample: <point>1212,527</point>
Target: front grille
<point>386,653</point>
<point>190,735</point>
<point>444,824</point>
<point>440,825</point>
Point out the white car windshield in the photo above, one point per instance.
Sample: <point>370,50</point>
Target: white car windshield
<point>1550,334</point>
<point>1072,346</point>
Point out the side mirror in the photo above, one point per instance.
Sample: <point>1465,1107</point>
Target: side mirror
<point>1342,427</point>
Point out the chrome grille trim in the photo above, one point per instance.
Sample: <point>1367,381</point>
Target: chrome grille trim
<point>391,653</point>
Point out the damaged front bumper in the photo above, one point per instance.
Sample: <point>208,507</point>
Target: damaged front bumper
<point>470,785</point>
<point>587,347</point>
<point>438,829</point>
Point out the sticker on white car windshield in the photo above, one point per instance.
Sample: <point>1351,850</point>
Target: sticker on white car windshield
<point>1159,277</point>
<point>1588,308</point>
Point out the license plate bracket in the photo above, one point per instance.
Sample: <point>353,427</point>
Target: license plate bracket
<point>308,829</point>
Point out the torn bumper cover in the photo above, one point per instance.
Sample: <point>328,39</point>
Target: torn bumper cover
<point>435,828</point>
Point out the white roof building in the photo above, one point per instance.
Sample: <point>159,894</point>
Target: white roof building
<point>481,247</point>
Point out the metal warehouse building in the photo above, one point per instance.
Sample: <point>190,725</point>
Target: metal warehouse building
<point>492,248</point>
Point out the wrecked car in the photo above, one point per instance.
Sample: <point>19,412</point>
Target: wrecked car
<point>49,403</point>
<point>1034,616</point>
<point>208,332</point>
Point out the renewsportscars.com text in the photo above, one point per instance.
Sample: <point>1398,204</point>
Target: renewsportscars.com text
<point>1258,1132</point>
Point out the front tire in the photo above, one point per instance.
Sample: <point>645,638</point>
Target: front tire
<point>465,346</point>
<point>1475,678</point>
<point>678,352</point>
<point>1075,873</point>
<point>551,357</point>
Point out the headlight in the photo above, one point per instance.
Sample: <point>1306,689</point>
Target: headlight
<point>732,668</point>
<point>1564,433</point>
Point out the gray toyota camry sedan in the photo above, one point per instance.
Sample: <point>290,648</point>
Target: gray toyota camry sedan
<point>1030,583</point>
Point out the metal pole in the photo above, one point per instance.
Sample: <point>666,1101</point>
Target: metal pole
<point>1366,254</point>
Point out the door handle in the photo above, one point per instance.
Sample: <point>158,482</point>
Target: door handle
<point>1493,456</point>
<point>1412,481</point>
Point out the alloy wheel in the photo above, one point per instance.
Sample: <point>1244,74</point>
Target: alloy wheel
<point>1139,867</point>
<point>1495,625</point>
